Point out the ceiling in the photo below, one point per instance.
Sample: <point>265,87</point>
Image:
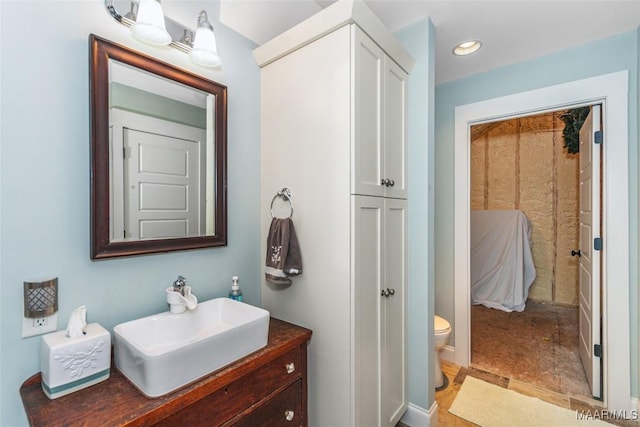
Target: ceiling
<point>510,30</point>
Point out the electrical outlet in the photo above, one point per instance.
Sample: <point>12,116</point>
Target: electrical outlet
<point>40,322</point>
<point>39,325</point>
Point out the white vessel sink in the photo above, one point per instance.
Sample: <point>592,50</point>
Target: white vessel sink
<point>166,351</point>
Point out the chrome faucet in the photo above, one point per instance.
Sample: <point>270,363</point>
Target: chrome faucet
<point>179,284</point>
<point>179,296</point>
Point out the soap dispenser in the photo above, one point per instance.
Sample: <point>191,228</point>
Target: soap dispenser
<point>235,292</point>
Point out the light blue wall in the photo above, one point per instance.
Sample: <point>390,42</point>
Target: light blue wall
<point>419,40</point>
<point>44,180</point>
<point>596,58</point>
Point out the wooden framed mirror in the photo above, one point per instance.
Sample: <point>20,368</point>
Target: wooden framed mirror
<point>158,155</point>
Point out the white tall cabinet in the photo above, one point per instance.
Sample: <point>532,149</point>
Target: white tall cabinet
<point>333,106</point>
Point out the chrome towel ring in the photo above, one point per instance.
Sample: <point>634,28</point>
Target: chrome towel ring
<point>284,194</point>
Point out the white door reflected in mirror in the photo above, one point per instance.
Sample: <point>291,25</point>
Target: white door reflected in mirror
<point>162,185</point>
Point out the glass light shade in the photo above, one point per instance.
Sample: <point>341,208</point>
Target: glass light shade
<point>150,27</point>
<point>205,51</point>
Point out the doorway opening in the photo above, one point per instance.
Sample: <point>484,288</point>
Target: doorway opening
<point>610,90</point>
<point>525,207</point>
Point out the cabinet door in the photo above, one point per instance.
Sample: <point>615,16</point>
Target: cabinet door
<point>367,150</point>
<point>393,316</point>
<point>367,241</point>
<point>379,106</point>
<point>395,135</point>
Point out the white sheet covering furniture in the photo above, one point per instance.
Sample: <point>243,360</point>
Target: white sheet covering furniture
<point>502,268</point>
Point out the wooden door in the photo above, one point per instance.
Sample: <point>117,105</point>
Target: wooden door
<point>590,294</point>
<point>161,190</point>
<point>181,152</point>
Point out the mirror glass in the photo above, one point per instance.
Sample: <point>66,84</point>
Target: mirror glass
<point>158,155</point>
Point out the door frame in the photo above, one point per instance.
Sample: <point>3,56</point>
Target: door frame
<point>610,90</point>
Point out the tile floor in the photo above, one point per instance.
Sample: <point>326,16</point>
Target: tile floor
<point>534,353</point>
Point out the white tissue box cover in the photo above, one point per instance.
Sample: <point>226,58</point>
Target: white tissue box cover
<point>71,364</point>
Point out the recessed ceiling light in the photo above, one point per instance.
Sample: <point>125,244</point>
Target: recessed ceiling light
<point>467,47</point>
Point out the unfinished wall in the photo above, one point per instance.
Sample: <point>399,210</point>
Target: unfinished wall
<point>522,164</point>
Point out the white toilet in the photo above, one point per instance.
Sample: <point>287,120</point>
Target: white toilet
<point>442,331</point>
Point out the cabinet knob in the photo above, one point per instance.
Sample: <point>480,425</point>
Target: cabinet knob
<point>391,291</point>
<point>288,415</point>
<point>290,367</point>
<point>392,183</point>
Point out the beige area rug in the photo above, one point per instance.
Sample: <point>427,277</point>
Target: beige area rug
<point>489,405</point>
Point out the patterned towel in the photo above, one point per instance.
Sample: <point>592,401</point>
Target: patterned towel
<point>283,252</point>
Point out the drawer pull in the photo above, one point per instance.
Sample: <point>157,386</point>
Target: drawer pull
<point>288,415</point>
<point>290,367</point>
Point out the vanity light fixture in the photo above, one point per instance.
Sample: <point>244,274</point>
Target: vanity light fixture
<point>467,48</point>
<point>204,51</point>
<point>150,27</point>
<point>148,24</point>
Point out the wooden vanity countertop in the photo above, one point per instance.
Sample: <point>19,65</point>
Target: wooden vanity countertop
<point>116,402</point>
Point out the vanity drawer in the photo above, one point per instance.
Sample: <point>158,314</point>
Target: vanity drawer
<point>284,409</point>
<point>248,390</point>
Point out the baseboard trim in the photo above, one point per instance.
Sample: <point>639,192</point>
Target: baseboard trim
<point>417,416</point>
<point>433,415</point>
<point>448,353</point>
